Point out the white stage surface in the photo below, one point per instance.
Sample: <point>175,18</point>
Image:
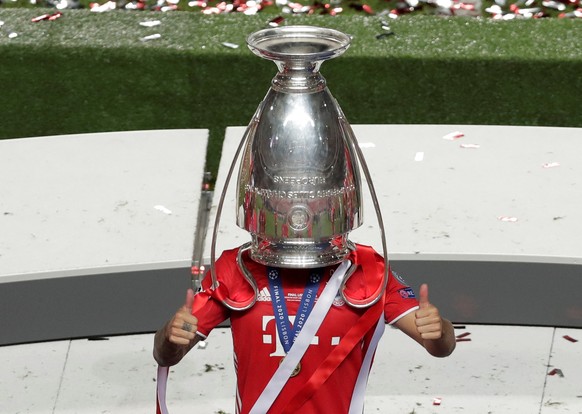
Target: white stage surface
<point>489,216</point>
<point>496,369</point>
<point>96,231</point>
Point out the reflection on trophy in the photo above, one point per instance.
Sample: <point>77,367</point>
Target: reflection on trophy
<point>299,186</point>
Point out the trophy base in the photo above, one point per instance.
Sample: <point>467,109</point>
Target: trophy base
<point>300,253</point>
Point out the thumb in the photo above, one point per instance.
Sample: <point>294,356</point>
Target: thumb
<point>189,299</point>
<point>423,296</point>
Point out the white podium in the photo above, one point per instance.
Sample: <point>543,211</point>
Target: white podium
<point>95,230</point>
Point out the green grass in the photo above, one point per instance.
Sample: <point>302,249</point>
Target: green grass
<point>90,72</point>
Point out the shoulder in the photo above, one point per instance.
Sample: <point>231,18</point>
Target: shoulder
<point>367,281</point>
<point>233,282</point>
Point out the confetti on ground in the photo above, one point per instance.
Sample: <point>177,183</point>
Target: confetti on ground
<point>569,338</point>
<point>276,21</point>
<point>470,146</point>
<point>556,371</point>
<point>453,136</point>
<point>419,156</point>
<point>463,337</point>
<point>551,165</point>
<point>151,37</point>
<point>367,145</point>
<point>230,45</point>
<point>163,209</point>
<point>437,401</point>
<point>501,10</point>
<point>508,219</point>
<point>49,16</point>
<point>150,23</point>
<point>105,7</point>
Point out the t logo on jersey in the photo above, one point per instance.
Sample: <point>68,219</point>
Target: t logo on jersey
<point>273,338</point>
<point>269,339</point>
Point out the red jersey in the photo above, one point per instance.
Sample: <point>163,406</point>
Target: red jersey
<point>257,349</point>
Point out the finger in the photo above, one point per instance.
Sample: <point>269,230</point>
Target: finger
<point>185,322</point>
<point>423,296</point>
<point>431,335</point>
<point>180,337</point>
<point>431,330</point>
<point>189,299</point>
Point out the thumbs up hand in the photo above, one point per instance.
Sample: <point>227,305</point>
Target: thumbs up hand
<point>429,323</point>
<point>181,329</point>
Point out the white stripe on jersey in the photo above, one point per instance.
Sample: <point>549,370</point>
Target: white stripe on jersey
<point>238,400</point>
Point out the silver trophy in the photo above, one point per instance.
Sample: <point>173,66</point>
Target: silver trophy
<point>299,186</point>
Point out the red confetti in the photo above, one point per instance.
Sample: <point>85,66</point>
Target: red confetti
<point>40,18</point>
<point>276,21</point>
<point>556,371</point>
<point>437,401</point>
<point>50,17</point>
<point>569,338</point>
<point>55,16</point>
<point>463,337</point>
<point>453,136</point>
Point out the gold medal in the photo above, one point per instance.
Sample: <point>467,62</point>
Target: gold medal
<point>296,371</point>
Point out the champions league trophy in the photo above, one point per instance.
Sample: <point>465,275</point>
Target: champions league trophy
<point>299,187</point>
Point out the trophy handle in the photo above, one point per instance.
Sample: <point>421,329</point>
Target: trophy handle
<point>380,291</point>
<point>238,306</point>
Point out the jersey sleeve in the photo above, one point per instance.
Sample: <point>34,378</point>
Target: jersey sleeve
<point>209,311</point>
<point>400,298</point>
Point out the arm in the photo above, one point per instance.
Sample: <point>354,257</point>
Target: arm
<point>428,328</point>
<point>176,338</point>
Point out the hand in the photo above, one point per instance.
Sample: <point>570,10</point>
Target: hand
<point>181,329</point>
<point>429,323</point>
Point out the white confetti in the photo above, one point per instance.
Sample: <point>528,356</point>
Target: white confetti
<point>471,146</point>
<point>163,209</point>
<point>230,45</point>
<point>150,23</point>
<point>419,156</point>
<point>105,7</point>
<point>453,136</point>
<point>367,145</point>
<point>551,165</point>
<point>508,219</point>
<point>151,37</point>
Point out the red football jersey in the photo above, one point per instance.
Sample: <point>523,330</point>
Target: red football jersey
<point>257,349</point>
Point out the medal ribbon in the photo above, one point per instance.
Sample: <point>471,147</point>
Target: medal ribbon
<point>280,377</point>
<point>288,333</point>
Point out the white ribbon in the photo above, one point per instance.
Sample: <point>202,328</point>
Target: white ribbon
<point>357,403</point>
<point>162,382</point>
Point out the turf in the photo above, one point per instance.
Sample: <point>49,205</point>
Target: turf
<point>91,72</point>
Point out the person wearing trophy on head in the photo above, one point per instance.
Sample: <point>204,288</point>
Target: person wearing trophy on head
<point>307,306</point>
